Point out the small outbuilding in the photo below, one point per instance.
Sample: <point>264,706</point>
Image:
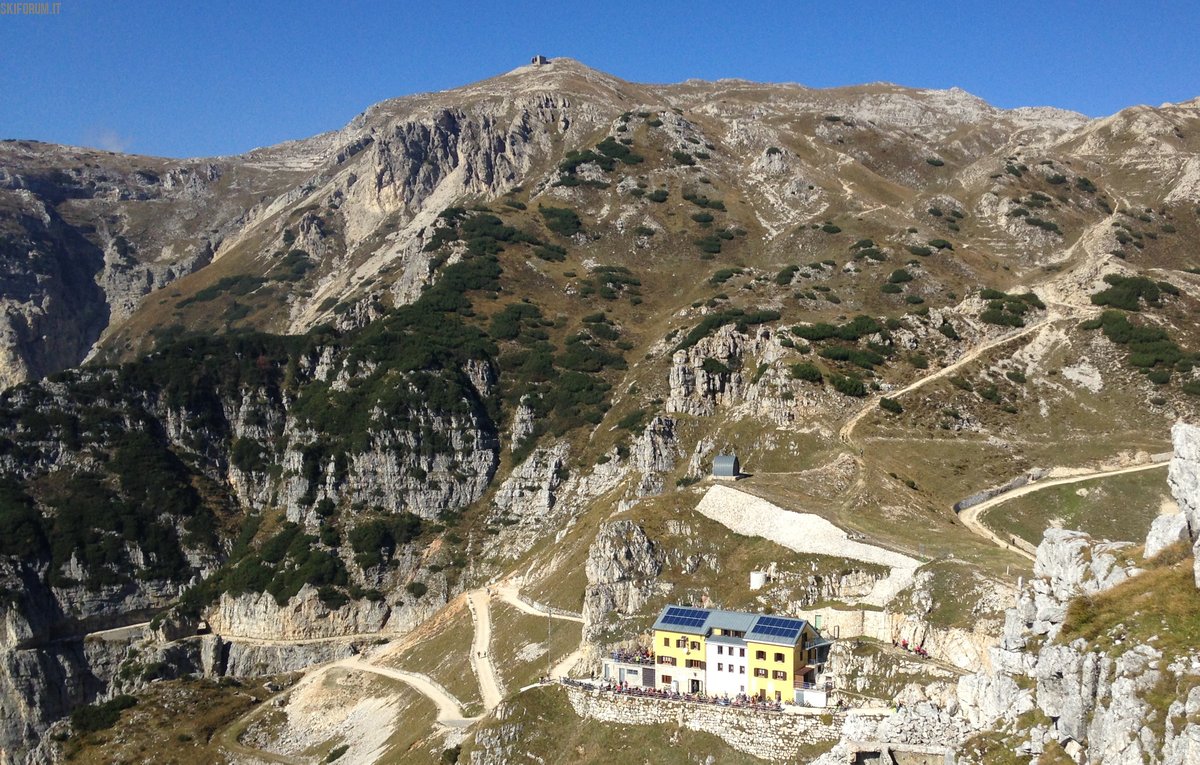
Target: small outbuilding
<point>539,60</point>
<point>726,467</point>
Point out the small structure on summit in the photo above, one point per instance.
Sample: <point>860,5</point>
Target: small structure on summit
<point>726,467</point>
<point>538,60</point>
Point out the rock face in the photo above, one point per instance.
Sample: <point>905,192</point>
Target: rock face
<point>76,249</point>
<point>1183,475</point>
<point>1097,704</point>
<point>622,569</point>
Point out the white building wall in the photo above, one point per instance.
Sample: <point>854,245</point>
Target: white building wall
<point>727,671</point>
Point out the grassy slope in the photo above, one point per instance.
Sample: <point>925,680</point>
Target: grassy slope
<point>444,653</point>
<point>513,630</point>
<point>1118,508</point>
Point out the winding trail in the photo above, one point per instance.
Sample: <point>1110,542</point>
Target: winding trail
<point>847,430</point>
<point>490,684</point>
<point>509,591</point>
<point>970,516</point>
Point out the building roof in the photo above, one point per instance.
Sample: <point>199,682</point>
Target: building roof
<point>758,628</point>
<point>725,465</point>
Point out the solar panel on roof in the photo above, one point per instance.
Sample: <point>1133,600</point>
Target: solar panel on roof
<point>686,617</point>
<point>780,627</point>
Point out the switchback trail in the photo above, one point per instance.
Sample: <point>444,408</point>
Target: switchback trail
<point>450,711</point>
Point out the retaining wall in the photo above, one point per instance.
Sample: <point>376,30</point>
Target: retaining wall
<point>776,736</point>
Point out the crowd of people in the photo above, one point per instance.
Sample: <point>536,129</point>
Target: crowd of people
<point>918,650</point>
<point>740,701</point>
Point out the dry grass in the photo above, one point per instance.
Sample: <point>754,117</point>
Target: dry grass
<point>1160,608</point>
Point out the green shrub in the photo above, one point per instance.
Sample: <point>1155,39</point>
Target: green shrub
<point>702,218</point>
<point>899,276</point>
<point>917,249</point>
<point>890,405</point>
<point>891,289</point>
<point>93,717</point>
<point>616,150</point>
<point>934,161</point>
<point>849,386</point>
<point>658,195</point>
<point>940,244</point>
<point>416,589</point>
<point>683,158</point>
<point>786,276</point>
<point>807,372</point>
<point>375,541</point>
<point>709,244</point>
<point>1127,292</point>
<point>561,220</point>
<point>1159,376</point>
<point>830,228</point>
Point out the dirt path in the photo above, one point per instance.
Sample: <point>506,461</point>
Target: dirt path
<point>970,517</point>
<point>847,431</point>
<point>228,739</point>
<point>118,634</point>
<point>490,685</point>
<point>509,591</point>
<point>450,711</point>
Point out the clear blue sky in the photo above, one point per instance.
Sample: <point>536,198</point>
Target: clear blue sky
<point>180,78</point>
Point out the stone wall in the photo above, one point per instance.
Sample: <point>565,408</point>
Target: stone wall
<point>964,649</point>
<point>773,736</point>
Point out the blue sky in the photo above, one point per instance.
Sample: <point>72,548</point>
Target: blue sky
<point>179,78</point>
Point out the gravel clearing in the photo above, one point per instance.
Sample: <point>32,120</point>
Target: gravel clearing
<point>753,516</point>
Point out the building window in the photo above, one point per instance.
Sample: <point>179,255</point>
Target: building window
<point>760,655</point>
<point>666,679</point>
<point>777,675</point>
<point>666,642</point>
<point>720,650</point>
<point>741,670</point>
<point>759,672</point>
<point>720,667</point>
<point>681,643</point>
<point>695,646</point>
<point>741,652</point>
<point>779,658</point>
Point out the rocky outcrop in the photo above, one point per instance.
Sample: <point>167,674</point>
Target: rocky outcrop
<point>1095,704</point>
<point>1183,475</point>
<point>304,617</point>
<point>698,386</point>
<point>622,570</point>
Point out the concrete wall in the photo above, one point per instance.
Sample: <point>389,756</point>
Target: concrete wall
<point>778,736</point>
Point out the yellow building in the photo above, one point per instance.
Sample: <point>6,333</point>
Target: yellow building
<point>726,653</point>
